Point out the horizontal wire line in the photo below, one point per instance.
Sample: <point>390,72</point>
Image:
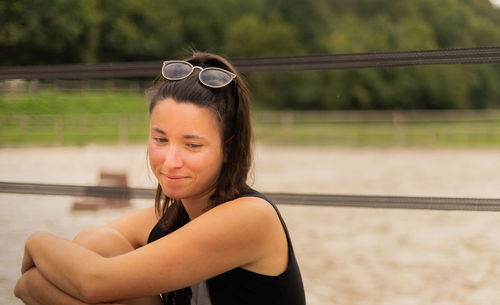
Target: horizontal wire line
<point>388,202</point>
<point>270,64</point>
<point>480,55</point>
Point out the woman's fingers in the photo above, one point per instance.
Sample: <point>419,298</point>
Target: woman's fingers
<point>27,262</point>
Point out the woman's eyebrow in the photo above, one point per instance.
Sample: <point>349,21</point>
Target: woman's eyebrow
<point>188,136</point>
<point>192,136</point>
<point>158,130</point>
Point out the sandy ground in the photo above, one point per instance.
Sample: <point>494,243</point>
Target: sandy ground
<point>347,255</point>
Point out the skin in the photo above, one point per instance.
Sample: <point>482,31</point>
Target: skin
<point>33,289</point>
<point>186,158</point>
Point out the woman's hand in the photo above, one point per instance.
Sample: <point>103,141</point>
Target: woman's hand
<point>27,262</point>
<point>21,290</point>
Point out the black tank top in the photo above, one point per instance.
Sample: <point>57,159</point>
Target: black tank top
<point>242,287</point>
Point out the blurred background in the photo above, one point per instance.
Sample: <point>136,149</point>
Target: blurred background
<point>430,130</point>
<point>73,111</point>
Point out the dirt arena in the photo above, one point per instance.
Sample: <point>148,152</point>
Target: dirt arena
<point>352,256</point>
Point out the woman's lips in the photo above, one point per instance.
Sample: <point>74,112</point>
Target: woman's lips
<point>175,178</point>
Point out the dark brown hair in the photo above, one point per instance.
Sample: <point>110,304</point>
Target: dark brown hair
<point>231,105</point>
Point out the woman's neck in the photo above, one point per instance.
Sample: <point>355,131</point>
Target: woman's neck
<point>196,206</point>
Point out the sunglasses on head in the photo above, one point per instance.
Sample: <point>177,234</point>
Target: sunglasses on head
<point>212,77</point>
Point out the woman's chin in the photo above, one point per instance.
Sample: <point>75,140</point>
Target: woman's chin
<point>170,192</point>
<point>173,194</point>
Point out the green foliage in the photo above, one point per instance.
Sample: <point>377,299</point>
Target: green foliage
<point>36,32</point>
<point>57,102</point>
<point>66,31</point>
<point>273,37</point>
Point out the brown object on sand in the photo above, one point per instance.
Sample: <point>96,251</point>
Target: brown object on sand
<point>94,203</point>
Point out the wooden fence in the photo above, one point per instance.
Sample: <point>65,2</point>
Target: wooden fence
<point>464,128</point>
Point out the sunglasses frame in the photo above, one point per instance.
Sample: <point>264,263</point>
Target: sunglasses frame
<point>229,73</point>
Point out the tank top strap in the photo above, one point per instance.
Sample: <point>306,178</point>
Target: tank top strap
<point>253,193</point>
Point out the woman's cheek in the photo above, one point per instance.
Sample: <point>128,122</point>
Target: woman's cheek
<point>154,157</point>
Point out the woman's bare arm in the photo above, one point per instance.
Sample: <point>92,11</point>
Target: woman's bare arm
<point>136,226</point>
<point>242,233</point>
<point>33,288</point>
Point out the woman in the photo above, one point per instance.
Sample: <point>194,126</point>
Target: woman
<point>209,239</point>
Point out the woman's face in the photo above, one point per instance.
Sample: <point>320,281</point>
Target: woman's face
<point>185,149</point>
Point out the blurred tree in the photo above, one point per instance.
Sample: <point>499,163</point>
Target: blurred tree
<point>66,31</point>
<point>33,32</point>
<point>271,37</point>
<point>251,35</point>
<point>92,14</point>
<point>139,30</point>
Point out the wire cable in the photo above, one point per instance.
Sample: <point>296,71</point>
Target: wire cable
<point>479,55</point>
<point>388,202</point>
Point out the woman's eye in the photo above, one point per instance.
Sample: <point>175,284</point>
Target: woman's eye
<point>194,145</point>
<point>160,140</point>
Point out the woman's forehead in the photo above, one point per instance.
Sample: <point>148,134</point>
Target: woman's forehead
<point>169,116</point>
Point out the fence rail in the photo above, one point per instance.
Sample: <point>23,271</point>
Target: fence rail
<point>388,202</point>
<point>380,115</point>
<point>380,128</point>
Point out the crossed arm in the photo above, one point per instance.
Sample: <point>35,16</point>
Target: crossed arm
<point>223,238</point>
<point>34,289</point>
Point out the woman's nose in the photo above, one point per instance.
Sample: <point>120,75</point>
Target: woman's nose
<point>173,157</point>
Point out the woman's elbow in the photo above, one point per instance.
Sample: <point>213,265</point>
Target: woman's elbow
<point>87,293</point>
<point>90,288</point>
<point>20,290</point>
<point>90,293</point>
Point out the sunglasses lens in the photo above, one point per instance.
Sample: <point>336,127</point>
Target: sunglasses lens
<point>210,77</point>
<point>176,70</point>
<point>216,78</point>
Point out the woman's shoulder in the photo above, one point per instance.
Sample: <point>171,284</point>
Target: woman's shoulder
<point>251,203</point>
<point>257,217</point>
<point>248,214</point>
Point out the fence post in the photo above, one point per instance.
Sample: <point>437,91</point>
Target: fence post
<point>23,125</point>
<point>83,128</point>
<point>396,134</point>
<point>123,129</point>
<point>59,130</point>
<point>134,87</point>
<point>286,123</point>
<point>84,86</point>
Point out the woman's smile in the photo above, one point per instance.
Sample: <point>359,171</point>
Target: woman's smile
<point>175,178</point>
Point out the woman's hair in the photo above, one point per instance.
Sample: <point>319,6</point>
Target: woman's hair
<point>231,106</point>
